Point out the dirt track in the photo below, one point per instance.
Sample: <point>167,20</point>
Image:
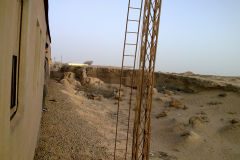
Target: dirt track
<point>65,134</point>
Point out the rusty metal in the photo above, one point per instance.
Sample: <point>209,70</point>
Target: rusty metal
<point>145,83</point>
<point>124,152</point>
<point>142,122</point>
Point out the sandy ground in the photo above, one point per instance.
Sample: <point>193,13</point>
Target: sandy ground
<point>200,126</point>
<point>69,128</point>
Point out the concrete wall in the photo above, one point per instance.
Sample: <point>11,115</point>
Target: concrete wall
<point>18,137</point>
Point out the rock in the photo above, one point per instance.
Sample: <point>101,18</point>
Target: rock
<point>98,98</point>
<point>185,107</point>
<point>151,154</point>
<point>175,103</point>
<point>167,92</point>
<point>190,135</point>
<point>162,114</point>
<point>159,99</point>
<point>155,91</point>
<point>77,84</point>
<point>65,82</point>
<point>235,121</point>
<point>185,134</point>
<point>83,76</point>
<point>232,113</point>
<point>214,103</point>
<point>70,77</point>
<point>195,121</point>
<point>94,96</point>
<point>80,93</point>
<point>165,156</point>
<point>222,95</point>
<point>205,119</point>
<point>203,113</point>
<point>52,100</point>
<point>94,81</point>
<point>176,150</point>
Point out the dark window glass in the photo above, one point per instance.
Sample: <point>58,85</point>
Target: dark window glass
<point>14,81</point>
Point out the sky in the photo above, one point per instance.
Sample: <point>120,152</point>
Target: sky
<point>201,36</point>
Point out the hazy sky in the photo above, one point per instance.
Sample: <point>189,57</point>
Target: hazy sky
<point>202,36</point>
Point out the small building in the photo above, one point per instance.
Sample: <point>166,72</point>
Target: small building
<point>24,32</point>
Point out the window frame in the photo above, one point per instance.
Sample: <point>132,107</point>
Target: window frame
<point>16,65</point>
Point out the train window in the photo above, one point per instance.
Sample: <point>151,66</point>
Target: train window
<point>13,103</point>
<point>15,63</point>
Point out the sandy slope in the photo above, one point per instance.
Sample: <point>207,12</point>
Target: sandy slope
<point>198,128</point>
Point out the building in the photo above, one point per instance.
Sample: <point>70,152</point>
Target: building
<point>24,31</point>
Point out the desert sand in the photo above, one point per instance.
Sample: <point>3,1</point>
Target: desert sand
<point>81,117</point>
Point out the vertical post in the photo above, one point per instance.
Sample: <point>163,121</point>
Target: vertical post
<point>142,123</point>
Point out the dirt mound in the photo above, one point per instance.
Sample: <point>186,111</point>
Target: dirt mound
<point>175,103</point>
<point>190,136</point>
<point>70,81</point>
<point>195,121</point>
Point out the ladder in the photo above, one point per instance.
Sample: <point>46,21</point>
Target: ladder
<point>121,152</point>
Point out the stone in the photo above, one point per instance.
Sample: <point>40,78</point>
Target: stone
<point>235,121</point>
<point>162,114</point>
<point>167,92</point>
<point>155,91</point>
<point>195,121</point>
<point>165,156</point>
<point>222,95</point>
<point>98,98</point>
<point>185,107</point>
<point>203,113</point>
<point>205,119</point>
<point>214,103</point>
<point>175,103</point>
<point>159,99</point>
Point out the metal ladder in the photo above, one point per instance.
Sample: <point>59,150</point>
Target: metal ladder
<point>122,153</point>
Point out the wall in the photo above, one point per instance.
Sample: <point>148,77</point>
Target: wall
<point>183,82</point>
<point>18,137</point>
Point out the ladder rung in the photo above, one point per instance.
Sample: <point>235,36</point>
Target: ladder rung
<point>130,55</point>
<point>125,129</point>
<point>131,44</point>
<point>133,20</point>
<point>123,109</point>
<point>134,8</point>
<point>133,32</point>
<point>121,139</point>
<point>121,149</point>
<point>127,66</point>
